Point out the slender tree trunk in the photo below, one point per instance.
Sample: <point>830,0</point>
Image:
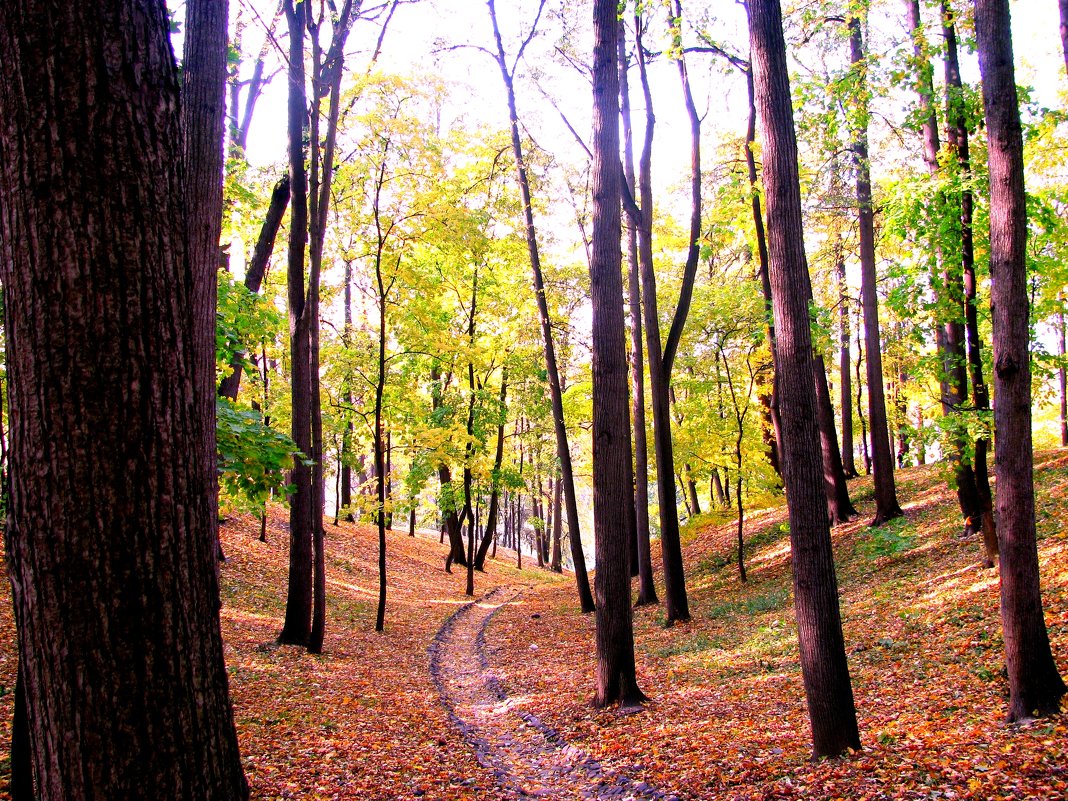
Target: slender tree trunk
<point>257,269</point>
<point>886,505</point>
<point>951,333</point>
<point>554,563</point>
<point>768,400</point>
<point>823,661</point>
<point>957,125</point>
<point>612,476</point>
<point>297,626</point>
<point>553,374</point>
<point>111,535</point>
<point>840,508</point>
<point>844,376</point>
<point>450,518</point>
<point>1063,376</point>
<point>676,605</point>
<point>1064,29</point>
<point>860,403</point>
<point>1035,686</point>
<point>643,551</point>
<point>350,430</point>
<point>495,490</point>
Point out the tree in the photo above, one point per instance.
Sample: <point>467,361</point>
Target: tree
<point>108,460</point>
<point>886,505</point>
<point>823,661</point>
<point>1035,686</point>
<point>508,78</point>
<point>612,477</point>
<point>643,552</point>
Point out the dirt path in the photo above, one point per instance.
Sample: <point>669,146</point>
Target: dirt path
<point>526,757</point>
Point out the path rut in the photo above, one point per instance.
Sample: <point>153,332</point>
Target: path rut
<point>526,757</point>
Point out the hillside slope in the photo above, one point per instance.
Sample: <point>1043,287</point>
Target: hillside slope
<point>728,718</point>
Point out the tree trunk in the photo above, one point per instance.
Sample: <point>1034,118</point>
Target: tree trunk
<point>1064,29</point>
<point>20,787</point>
<point>840,508</point>
<point>643,550</point>
<point>676,605</point>
<point>495,490</point>
<point>203,101</point>
<point>582,581</point>
<point>111,538</point>
<point>612,476</point>
<point>350,429</point>
<point>554,563</point>
<point>768,400</point>
<point>844,376</point>
<point>951,334</point>
<point>1062,375</point>
<point>823,660</point>
<point>1035,686</point>
<point>957,126</point>
<point>257,269</point>
<point>886,505</point>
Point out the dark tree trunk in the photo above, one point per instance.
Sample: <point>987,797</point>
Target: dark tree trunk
<point>297,626</point>
<point>642,550</point>
<point>347,437</point>
<point>612,476</point>
<point>860,404</point>
<point>768,400</point>
<point>840,508</point>
<point>111,539</point>
<point>554,562</point>
<point>582,580</point>
<point>1062,375</point>
<point>951,334</point>
<point>676,605</point>
<point>957,126</point>
<point>20,787</point>
<point>495,490</point>
<point>844,375</point>
<point>823,660</point>
<point>203,114</point>
<point>1035,686</point>
<point>716,488</point>
<point>886,505</point>
<point>257,269</point>
<point>1064,29</point>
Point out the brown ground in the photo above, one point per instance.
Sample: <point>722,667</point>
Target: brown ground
<point>727,719</point>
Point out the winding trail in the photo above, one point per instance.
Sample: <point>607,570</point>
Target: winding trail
<point>526,757</point>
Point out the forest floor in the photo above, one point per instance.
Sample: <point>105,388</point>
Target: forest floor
<point>484,700</point>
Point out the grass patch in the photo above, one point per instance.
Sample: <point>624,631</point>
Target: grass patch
<point>694,645</point>
<point>767,602</point>
<point>894,537</point>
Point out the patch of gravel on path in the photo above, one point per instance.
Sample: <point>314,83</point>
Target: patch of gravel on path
<point>527,758</point>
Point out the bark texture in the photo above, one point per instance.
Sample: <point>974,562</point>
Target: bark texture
<point>886,505</point>
<point>823,661</point>
<point>1035,686</point>
<point>612,476</point>
<point>110,537</point>
<point>556,397</point>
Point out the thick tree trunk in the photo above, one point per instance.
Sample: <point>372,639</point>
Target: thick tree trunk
<point>643,550</point>
<point>1035,686</point>
<point>886,505</point>
<point>957,127</point>
<point>578,559</point>
<point>110,535</point>
<point>823,660</point>
<point>840,508</point>
<point>612,476</point>
<point>20,787</point>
